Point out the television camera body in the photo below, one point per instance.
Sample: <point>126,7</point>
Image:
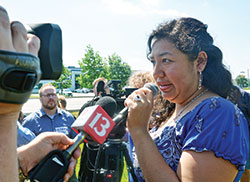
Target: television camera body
<point>20,72</point>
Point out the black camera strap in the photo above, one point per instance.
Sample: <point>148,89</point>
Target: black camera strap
<point>19,73</point>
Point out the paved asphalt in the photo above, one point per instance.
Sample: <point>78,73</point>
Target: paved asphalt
<point>73,103</point>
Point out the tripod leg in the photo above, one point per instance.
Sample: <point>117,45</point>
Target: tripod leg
<point>97,162</point>
<point>129,162</point>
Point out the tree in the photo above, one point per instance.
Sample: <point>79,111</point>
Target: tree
<point>93,66</point>
<point>64,80</point>
<point>241,81</point>
<point>118,70</point>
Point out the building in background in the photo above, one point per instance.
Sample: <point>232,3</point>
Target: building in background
<point>75,72</point>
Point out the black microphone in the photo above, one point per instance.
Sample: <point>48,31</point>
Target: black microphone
<point>122,115</point>
<point>108,104</point>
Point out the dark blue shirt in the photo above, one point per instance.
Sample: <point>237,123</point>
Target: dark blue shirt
<point>39,122</point>
<point>214,125</point>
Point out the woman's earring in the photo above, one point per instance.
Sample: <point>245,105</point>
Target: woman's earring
<point>200,80</point>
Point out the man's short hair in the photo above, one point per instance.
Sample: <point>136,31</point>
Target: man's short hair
<point>44,86</point>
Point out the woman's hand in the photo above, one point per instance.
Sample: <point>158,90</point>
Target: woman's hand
<point>140,104</point>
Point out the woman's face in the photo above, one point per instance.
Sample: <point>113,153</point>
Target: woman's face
<point>176,76</point>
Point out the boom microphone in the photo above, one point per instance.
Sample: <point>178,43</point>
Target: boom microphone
<point>122,115</point>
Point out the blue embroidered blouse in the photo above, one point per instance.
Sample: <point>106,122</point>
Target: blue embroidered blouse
<point>214,125</point>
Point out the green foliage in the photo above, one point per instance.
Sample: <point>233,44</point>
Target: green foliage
<point>241,81</point>
<point>94,66</point>
<point>118,70</point>
<point>64,80</point>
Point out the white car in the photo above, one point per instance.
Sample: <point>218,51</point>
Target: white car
<point>67,92</point>
<point>85,90</point>
<point>78,90</point>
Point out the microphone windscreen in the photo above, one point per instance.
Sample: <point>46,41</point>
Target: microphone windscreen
<point>152,87</point>
<point>108,104</point>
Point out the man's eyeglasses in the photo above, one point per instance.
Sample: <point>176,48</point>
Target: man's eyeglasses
<point>50,95</point>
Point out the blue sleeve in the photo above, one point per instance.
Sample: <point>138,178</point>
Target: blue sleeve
<point>219,126</point>
<point>30,123</point>
<point>24,135</point>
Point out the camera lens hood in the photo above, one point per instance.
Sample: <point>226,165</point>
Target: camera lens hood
<point>19,73</point>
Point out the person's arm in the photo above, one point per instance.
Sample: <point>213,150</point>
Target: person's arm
<point>193,166</point>
<point>13,37</point>
<point>31,154</point>
<point>8,140</point>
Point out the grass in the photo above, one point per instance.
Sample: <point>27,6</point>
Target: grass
<point>75,113</point>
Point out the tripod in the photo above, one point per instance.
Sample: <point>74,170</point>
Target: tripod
<point>110,162</point>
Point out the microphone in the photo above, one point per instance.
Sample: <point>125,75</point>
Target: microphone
<point>93,121</point>
<point>122,115</point>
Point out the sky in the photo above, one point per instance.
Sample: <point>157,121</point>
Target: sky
<point>123,26</point>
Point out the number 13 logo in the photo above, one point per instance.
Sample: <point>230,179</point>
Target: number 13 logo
<point>103,127</point>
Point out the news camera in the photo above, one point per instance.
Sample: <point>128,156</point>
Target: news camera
<point>50,53</point>
<point>20,72</point>
<point>118,93</point>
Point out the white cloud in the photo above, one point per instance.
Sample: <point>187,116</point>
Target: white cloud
<point>141,8</point>
<point>151,3</point>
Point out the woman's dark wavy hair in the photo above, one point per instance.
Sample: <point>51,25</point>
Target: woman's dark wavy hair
<point>190,36</point>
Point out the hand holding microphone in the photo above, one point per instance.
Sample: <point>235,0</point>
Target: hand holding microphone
<point>140,104</point>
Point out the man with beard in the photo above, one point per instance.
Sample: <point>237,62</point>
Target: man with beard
<point>49,117</point>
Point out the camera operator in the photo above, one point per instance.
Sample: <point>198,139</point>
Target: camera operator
<point>15,41</point>
<point>100,88</point>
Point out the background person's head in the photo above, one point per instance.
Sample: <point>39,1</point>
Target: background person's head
<point>62,102</point>
<point>160,109</point>
<point>190,37</point>
<point>140,78</point>
<point>100,86</point>
<point>48,97</point>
